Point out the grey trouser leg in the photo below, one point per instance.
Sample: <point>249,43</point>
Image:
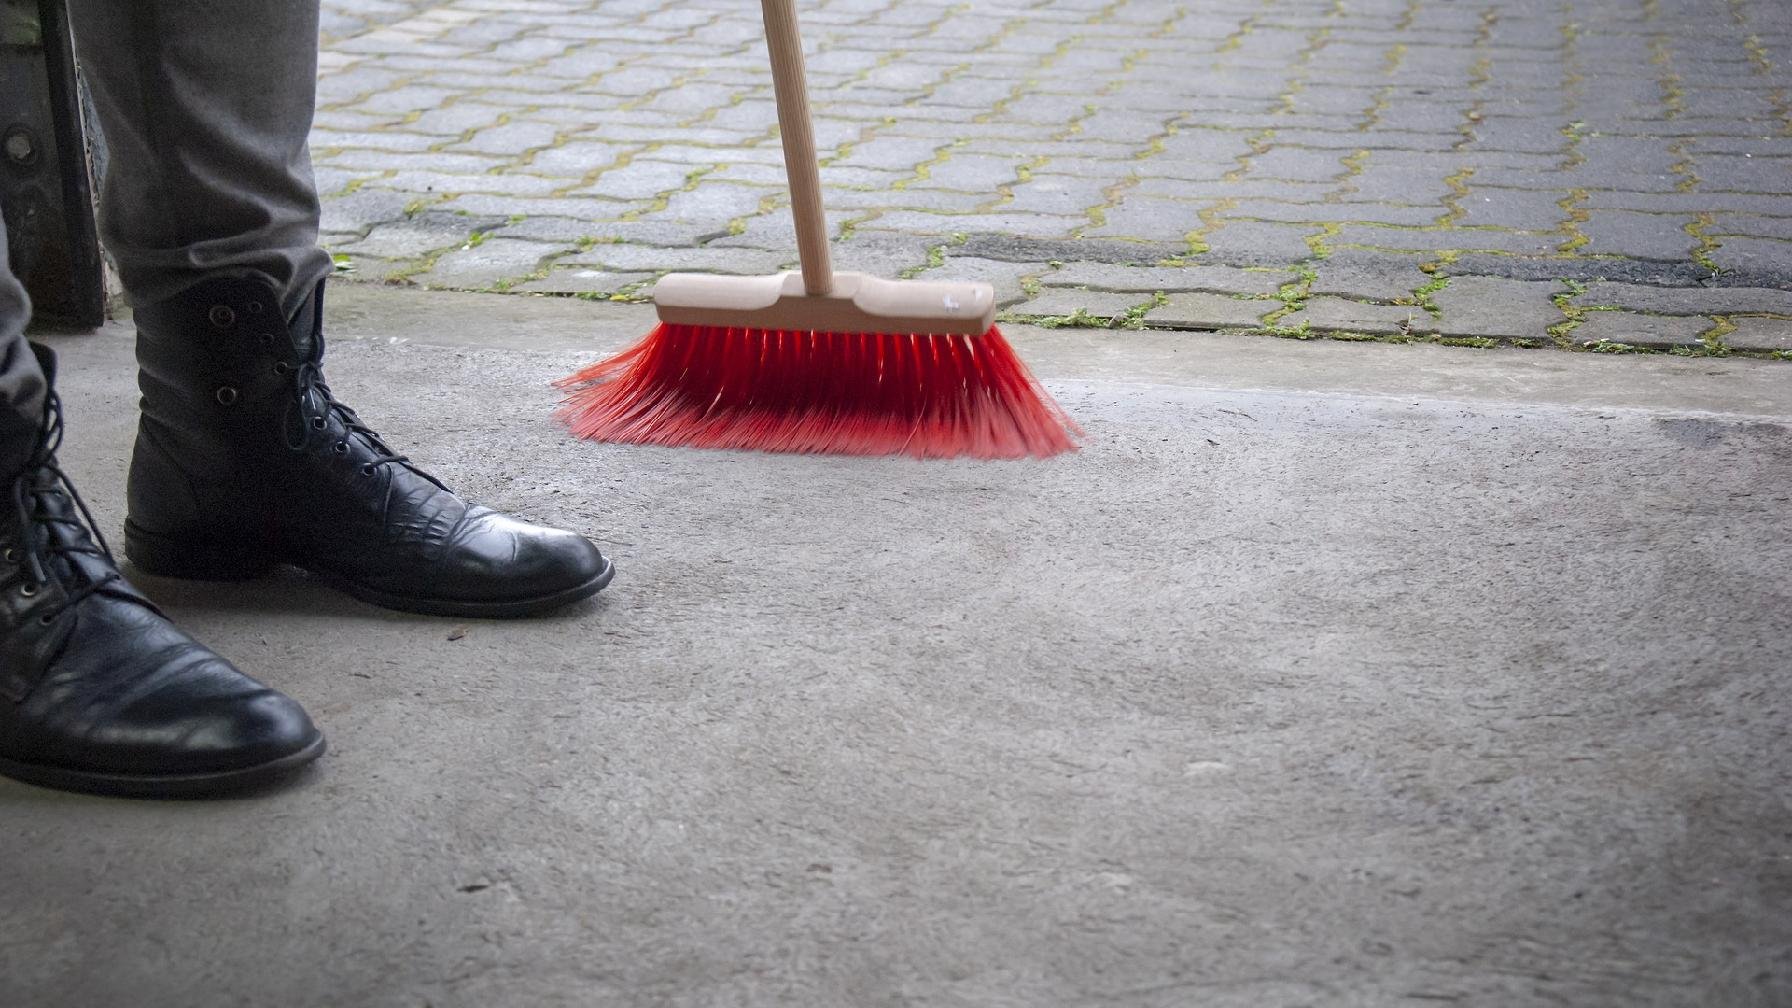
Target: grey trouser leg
<point>21,383</point>
<point>205,106</point>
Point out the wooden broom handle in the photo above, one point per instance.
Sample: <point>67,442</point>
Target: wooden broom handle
<point>799,144</point>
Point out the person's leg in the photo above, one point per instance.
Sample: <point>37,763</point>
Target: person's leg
<point>205,106</point>
<point>98,691</point>
<point>244,459</point>
<point>21,383</point>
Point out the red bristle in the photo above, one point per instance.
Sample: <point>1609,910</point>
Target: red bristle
<point>929,396</point>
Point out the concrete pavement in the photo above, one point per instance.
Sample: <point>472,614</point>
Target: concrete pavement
<point>1325,674</point>
<point>1613,175</point>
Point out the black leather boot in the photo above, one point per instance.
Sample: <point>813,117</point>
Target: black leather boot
<point>98,691</point>
<point>245,460</point>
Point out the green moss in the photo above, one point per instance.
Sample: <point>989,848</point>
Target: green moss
<point>1562,333</point>
<point>936,257</point>
<point>1134,317</point>
<point>1131,318</point>
<point>1298,332</point>
<point>1713,338</point>
<point>1573,205</point>
<point>1079,319</point>
<point>1707,244</point>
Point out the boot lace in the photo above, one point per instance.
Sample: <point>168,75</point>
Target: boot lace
<point>309,386</point>
<point>37,513</point>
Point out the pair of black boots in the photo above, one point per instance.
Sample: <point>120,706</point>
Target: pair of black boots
<point>244,460</point>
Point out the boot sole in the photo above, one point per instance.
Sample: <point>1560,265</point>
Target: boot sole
<point>472,609</point>
<point>206,785</point>
<point>188,561</point>
<point>191,560</point>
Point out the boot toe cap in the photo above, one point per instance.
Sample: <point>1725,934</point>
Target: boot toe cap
<point>501,558</point>
<point>233,732</point>
<point>211,719</point>
<point>134,706</point>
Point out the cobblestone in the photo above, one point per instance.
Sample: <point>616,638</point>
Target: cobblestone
<point>413,238</point>
<point>1059,302</point>
<point>1146,279</point>
<point>582,280</point>
<point>1495,307</point>
<point>1008,278</point>
<point>1759,256</point>
<point>1636,329</point>
<point>1251,243</point>
<point>493,262</point>
<point>1209,311</point>
<point>1338,315</point>
<point>1641,151</point>
<point>1368,276</point>
<point>1447,239</point>
<point>634,258</point>
<point>1686,300</point>
<point>1761,333</point>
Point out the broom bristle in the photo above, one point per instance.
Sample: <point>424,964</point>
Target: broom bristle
<point>930,396</point>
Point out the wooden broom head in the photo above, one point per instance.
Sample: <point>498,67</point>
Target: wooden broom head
<point>857,303</point>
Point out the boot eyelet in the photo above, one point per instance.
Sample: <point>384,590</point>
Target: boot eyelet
<point>47,618</point>
<point>281,368</point>
<point>267,340</point>
<point>28,590</point>
<point>317,423</point>
<point>11,556</point>
<point>369,469</point>
<point>226,395</point>
<point>340,447</point>
<point>221,316</point>
<point>255,307</point>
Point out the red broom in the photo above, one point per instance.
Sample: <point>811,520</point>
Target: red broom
<point>818,361</point>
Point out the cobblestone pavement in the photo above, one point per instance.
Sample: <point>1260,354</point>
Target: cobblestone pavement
<point>1601,174</point>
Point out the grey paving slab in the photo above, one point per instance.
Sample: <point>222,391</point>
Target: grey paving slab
<point>1490,306</point>
<point>1757,256</point>
<point>1640,235</point>
<point>413,237</point>
<point>1063,302</point>
<point>1325,673</point>
<point>1209,311</point>
<point>1258,244</point>
<point>1335,314</point>
<point>1758,333</point>
<point>625,256</point>
<point>1687,300</point>
<point>1008,278</point>
<point>1638,329</point>
<point>1221,279</point>
<point>1447,239</point>
<point>1365,275</point>
<point>582,280</point>
<point>493,262</point>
